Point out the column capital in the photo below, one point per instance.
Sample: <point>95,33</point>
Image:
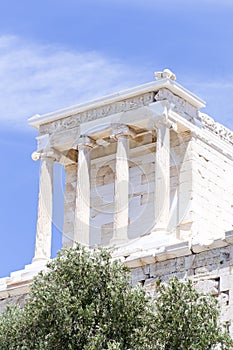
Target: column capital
<point>119,130</point>
<point>84,141</point>
<point>162,118</point>
<point>165,122</point>
<point>43,154</point>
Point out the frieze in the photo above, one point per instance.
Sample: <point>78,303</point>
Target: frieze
<point>100,112</point>
<point>182,107</point>
<point>218,129</point>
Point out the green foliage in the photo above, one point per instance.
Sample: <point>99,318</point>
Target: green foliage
<point>187,319</point>
<point>85,302</point>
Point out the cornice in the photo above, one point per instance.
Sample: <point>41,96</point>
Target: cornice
<point>214,139</point>
<point>38,120</point>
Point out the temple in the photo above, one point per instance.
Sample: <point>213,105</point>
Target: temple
<point>143,166</point>
<point>147,174</point>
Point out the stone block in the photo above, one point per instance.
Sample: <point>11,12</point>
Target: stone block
<point>146,198</point>
<point>225,282</point>
<point>146,178</point>
<point>140,273</point>
<point>208,286</point>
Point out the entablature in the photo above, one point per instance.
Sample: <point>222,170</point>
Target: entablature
<point>138,108</point>
<point>119,102</point>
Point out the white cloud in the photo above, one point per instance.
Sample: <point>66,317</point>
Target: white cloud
<point>38,78</point>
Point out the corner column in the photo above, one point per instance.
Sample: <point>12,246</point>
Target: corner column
<point>82,207</point>
<point>45,206</point>
<point>162,176</point>
<point>121,211</point>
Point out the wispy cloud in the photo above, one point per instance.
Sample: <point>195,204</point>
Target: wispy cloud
<point>38,78</point>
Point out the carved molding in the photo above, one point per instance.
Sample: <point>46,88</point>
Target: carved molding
<point>179,105</point>
<point>218,129</point>
<point>96,113</point>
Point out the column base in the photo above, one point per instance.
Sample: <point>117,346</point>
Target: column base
<point>159,229</point>
<point>164,230</point>
<point>37,260</point>
<point>157,238</point>
<point>117,241</point>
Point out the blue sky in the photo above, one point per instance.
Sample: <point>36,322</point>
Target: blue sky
<point>55,53</point>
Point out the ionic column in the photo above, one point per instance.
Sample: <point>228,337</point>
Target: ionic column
<point>69,205</point>
<point>82,210</point>
<point>121,211</point>
<point>162,176</point>
<point>45,206</point>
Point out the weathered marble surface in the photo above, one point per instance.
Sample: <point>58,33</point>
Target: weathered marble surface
<point>16,300</point>
<point>211,272</point>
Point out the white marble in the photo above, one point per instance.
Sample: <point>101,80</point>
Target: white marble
<point>45,208</point>
<point>162,177</point>
<point>82,206</point>
<point>121,209</point>
<point>69,205</point>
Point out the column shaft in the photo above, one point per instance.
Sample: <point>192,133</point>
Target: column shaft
<point>69,205</point>
<point>121,214</point>
<point>162,178</point>
<point>82,211</point>
<point>44,220</point>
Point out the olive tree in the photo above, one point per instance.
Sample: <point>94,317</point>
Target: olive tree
<point>84,301</point>
<point>187,319</point>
